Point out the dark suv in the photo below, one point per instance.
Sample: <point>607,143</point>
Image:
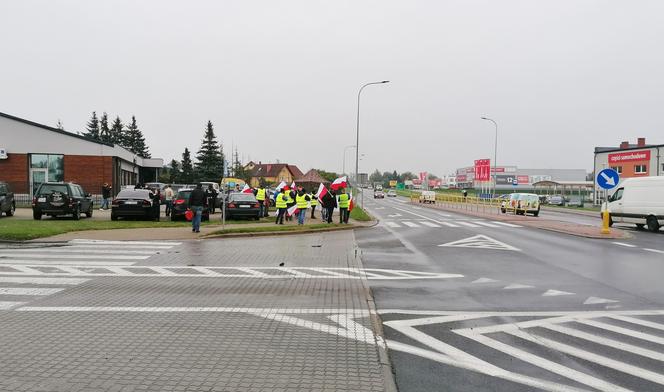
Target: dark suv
<point>56,199</point>
<point>7,203</point>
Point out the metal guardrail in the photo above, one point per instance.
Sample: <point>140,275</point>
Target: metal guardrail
<point>23,200</point>
<point>468,203</point>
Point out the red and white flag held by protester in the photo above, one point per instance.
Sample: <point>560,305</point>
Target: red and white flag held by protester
<point>281,185</point>
<point>322,191</point>
<point>247,189</point>
<point>341,182</point>
<point>351,202</point>
<point>292,185</point>
<point>293,210</point>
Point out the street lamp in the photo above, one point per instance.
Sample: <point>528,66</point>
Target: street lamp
<point>344,165</point>
<point>357,137</point>
<point>495,154</point>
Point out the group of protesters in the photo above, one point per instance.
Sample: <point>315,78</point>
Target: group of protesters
<point>295,201</point>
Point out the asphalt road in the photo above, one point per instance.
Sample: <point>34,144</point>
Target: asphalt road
<point>534,310</point>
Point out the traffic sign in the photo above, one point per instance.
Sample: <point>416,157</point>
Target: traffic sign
<point>515,182</point>
<point>608,179</point>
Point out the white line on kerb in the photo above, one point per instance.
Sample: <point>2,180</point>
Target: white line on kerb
<point>624,244</point>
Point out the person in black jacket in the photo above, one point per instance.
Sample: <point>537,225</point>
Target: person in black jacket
<point>330,203</point>
<point>106,196</point>
<point>211,195</point>
<point>197,202</point>
<point>156,201</point>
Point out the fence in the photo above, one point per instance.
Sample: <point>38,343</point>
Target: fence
<point>23,200</point>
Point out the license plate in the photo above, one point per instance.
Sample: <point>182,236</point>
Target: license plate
<point>244,206</point>
<point>41,200</point>
<point>131,202</point>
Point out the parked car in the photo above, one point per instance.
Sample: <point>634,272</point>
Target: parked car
<point>557,200</point>
<point>133,203</point>
<point>639,201</point>
<point>181,204</point>
<point>157,185</point>
<point>242,205</point>
<point>391,193</point>
<point>379,195</point>
<point>7,202</point>
<point>427,197</point>
<point>575,201</point>
<point>57,198</point>
<point>521,204</point>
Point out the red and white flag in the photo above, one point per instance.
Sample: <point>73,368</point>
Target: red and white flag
<point>322,191</point>
<point>292,185</point>
<point>281,185</point>
<point>341,182</point>
<point>293,210</point>
<point>246,189</point>
<point>351,203</point>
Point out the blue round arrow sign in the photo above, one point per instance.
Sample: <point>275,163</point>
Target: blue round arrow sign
<point>608,179</point>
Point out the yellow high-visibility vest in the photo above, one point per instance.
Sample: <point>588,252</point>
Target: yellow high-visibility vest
<point>260,195</point>
<point>314,201</point>
<point>281,201</point>
<point>344,200</point>
<point>301,201</point>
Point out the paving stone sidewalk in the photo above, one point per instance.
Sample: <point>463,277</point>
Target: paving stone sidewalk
<point>169,333</point>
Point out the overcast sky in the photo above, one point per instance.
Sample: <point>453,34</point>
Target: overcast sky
<point>279,79</point>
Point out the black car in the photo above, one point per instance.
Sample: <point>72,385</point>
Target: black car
<point>56,199</point>
<point>241,204</point>
<point>7,203</point>
<point>181,204</point>
<point>133,203</point>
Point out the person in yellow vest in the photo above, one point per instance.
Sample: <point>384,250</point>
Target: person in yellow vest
<point>344,203</point>
<point>261,196</point>
<point>281,202</point>
<point>290,201</point>
<point>302,200</point>
<point>314,204</point>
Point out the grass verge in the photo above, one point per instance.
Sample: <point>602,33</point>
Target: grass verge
<point>359,214</point>
<point>278,229</point>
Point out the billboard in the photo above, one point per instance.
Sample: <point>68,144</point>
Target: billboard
<point>482,170</point>
<point>523,180</point>
<point>393,183</point>
<point>505,179</point>
<point>631,156</point>
<point>423,176</point>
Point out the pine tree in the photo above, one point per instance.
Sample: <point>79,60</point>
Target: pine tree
<point>92,128</point>
<point>210,158</point>
<point>116,135</point>
<point>104,130</point>
<point>174,171</point>
<point>186,168</point>
<point>134,140</point>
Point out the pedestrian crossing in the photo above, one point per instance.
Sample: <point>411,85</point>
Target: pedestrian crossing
<point>24,270</point>
<point>436,224</point>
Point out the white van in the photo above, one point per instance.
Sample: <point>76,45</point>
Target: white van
<point>428,197</point>
<point>522,204</point>
<point>639,201</point>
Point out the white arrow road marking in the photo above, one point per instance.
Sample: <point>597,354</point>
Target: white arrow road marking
<point>516,286</point>
<point>484,280</point>
<point>480,242</point>
<point>555,293</point>
<point>609,180</point>
<point>597,300</point>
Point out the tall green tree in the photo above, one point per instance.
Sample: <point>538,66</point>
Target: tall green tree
<point>134,141</point>
<point>174,171</point>
<point>186,168</point>
<point>376,177</point>
<point>92,127</point>
<point>104,130</point>
<point>116,134</point>
<point>210,157</point>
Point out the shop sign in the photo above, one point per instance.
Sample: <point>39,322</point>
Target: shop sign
<point>630,156</point>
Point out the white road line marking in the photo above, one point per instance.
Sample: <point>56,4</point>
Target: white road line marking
<point>410,224</point>
<point>623,331</point>
<point>31,280</point>
<point>606,342</point>
<point>23,269</point>
<point>506,224</point>
<point>430,224</point>
<point>555,293</point>
<point>654,250</point>
<point>103,242</point>
<point>111,247</point>
<point>6,305</point>
<point>597,300</point>
<point>70,250</point>
<point>448,224</point>
<point>28,290</point>
<point>467,224</point>
<point>588,356</point>
<point>49,256</point>
<point>487,224</point>
<point>393,224</point>
<point>623,244</point>
<point>517,286</point>
<point>62,262</point>
<point>633,320</point>
<point>480,241</point>
<point>484,280</point>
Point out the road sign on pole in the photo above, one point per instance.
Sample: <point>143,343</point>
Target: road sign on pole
<point>608,179</point>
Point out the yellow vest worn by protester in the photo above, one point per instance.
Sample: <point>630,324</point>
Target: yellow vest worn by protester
<point>344,200</point>
<point>281,201</point>
<point>260,194</point>
<point>314,201</point>
<point>301,201</point>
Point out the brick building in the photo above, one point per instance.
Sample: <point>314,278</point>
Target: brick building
<point>36,153</point>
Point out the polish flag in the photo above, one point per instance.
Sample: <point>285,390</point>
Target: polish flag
<point>246,189</point>
<point>281,185</point>
<point>341,182</point>
<point>293,210</point>
<point>322,191</point>
<point>352,202</point>
<point>293,186</point>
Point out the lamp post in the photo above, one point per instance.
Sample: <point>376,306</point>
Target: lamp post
<point>357,136</point>
<point>344,164</point>
<point>495,154</point>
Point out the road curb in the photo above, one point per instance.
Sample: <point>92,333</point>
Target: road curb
<point>278,233</point>
<point>377,325</point>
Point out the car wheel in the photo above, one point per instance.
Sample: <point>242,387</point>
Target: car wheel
<point>88,214</point>
<point>653,225</point>
<point>12,210</point>
<point>640,226</point>
<point>77,213</point>
<point>36,215</point>
<point>503,210</point>
<point>536,213</point>
<point>114,217</point>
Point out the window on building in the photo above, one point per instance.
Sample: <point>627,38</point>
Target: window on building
<point>54,163</point>
<point>640,169</point>
<point>618,169</point>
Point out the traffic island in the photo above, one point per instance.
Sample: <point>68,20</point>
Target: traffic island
<point>485,212</point>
